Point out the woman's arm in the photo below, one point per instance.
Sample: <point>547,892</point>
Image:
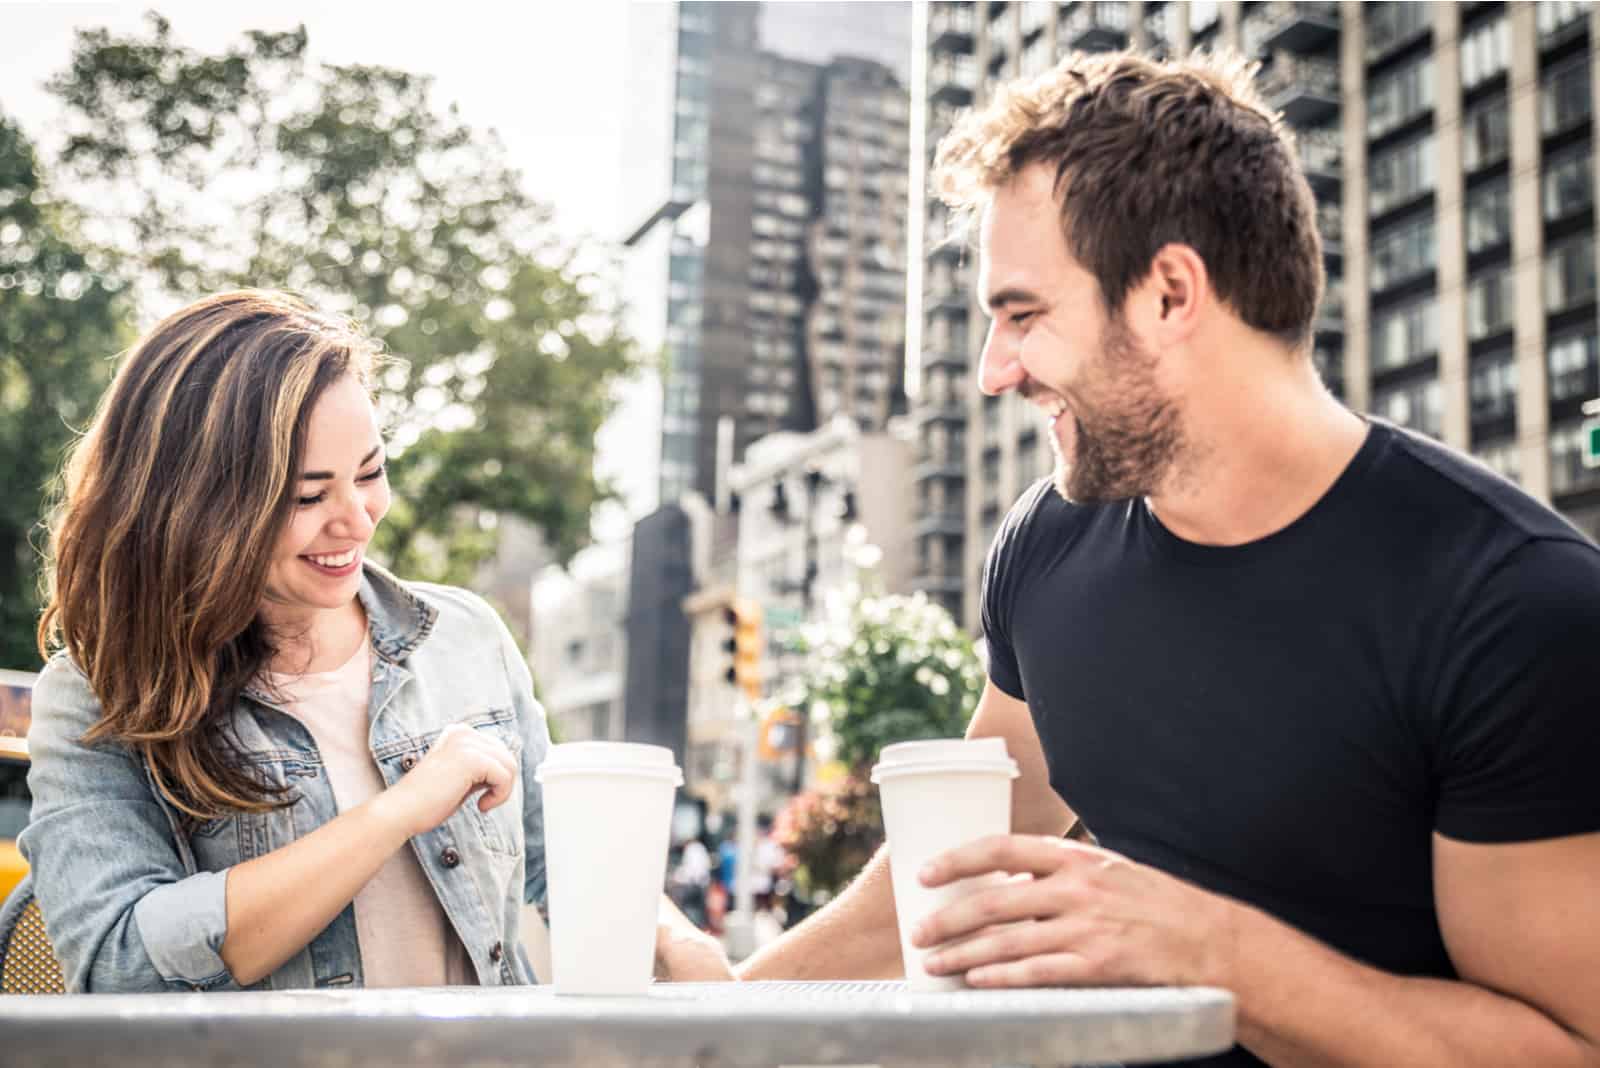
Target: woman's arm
<point>118,905</point>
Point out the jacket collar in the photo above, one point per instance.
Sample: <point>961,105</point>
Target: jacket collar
<point>398,619</point>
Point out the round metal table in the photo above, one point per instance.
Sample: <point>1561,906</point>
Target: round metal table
<point>675,1024</point>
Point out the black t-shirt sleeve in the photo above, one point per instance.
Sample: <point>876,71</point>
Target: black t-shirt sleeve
<point>1517,749</point>
<point>1000,570</point>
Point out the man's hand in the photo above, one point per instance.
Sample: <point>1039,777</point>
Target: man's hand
<point>685,957</point>
<point>1098,919</point>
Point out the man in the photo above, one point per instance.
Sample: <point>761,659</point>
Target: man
<point>1327,693</point>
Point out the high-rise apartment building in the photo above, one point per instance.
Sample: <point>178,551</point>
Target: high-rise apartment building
<point>787,199</point>
<point>1451,150</point>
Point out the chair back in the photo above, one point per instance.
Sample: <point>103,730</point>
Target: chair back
<point>28,962</point>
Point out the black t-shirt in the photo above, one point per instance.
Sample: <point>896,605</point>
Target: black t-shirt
<point>1288,722</point>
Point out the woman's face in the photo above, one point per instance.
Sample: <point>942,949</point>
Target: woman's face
<point>343,495</point>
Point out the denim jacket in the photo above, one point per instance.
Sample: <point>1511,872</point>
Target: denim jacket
<point>133,903</point>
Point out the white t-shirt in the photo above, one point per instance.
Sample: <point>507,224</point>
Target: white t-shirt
<point>406,938</point>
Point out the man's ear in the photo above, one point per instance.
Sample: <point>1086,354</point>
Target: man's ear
<point>1171,297</point>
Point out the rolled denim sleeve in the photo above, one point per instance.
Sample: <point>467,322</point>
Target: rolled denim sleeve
<point>535,744</point>
<point>121,910</point>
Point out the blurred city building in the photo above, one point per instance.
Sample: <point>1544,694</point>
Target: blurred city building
<point>814,512</point>
<point>780,227</point>
<point>579,645</point>
<point>1451,148</point>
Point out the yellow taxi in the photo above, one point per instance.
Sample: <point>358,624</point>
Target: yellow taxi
<point>15,691</point>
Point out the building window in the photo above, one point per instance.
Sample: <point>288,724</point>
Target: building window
<point>1395,99</point>
<point>1486,134</point>
<point>1564,96</point>
<point>1489,300</point>
<point>1485,52</point>
<point>1417,405</point>
<point>1553,16</point>
<point>1489,216</point>
<point>1569,274</point>
<point>1401,173</point>
<point>1569,183</point>
<point>1574,363</point>
<point>1493,387</point>
<point>1389,24</point>
<point>1402,252</point>
<point>1504,458</point>
<point>1405,334</point>
<point>1567,473</point>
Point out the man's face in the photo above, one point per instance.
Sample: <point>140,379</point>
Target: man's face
<point>1114,430</point>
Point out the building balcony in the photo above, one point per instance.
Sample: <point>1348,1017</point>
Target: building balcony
<point>944,521</point>
<point>947,356</point>
<point>1305,90</point>
<point>938,465</point>
<point>942,408</point>
<point>1299,27</point>
<point>1330,225</point>
<point>1330,313</point>
<point>950,27</point>
<point>951,80</point>
<point>936,582</point>
<point>1097,26</point>
<point>944,293</point>
<point>1321,157</point>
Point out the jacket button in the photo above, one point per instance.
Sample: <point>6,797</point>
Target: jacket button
<point>408,762</point>
<point>497,951</point>
<point>450,858</point>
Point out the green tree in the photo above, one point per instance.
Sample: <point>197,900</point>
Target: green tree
<point>259,167</point>
<point>62,315</point>
<point>897,669</point>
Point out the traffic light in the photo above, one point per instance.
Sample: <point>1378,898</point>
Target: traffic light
<point>744,647</point>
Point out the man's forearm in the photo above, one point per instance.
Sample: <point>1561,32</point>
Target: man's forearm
<point>853,937</point>
<point>1303,1005</point>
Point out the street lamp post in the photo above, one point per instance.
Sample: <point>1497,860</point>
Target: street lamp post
<point>815,480</point>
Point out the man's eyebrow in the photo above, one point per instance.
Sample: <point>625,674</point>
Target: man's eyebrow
<point>1012,295</point>
<point>318,476</point>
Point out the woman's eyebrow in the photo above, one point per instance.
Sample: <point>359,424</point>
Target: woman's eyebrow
<point>317,476</point>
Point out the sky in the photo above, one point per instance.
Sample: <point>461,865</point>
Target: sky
<point>547,76</point>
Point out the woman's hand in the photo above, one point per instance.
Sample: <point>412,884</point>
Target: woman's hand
<point>461,761</point>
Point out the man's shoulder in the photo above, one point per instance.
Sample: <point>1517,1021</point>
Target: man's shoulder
<point>1464,496</point>
<point>1042,514</point>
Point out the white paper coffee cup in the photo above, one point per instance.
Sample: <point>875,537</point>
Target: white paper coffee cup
<point>607,820</point>
<point>936,796</point>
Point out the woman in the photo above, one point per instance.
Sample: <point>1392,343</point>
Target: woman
<point>259,760</point>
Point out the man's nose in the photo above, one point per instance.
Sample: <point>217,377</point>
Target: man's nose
<point>999,370</point>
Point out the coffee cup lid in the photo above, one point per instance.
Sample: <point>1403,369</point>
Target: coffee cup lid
<point>630,759</point>
<point>984,756</point>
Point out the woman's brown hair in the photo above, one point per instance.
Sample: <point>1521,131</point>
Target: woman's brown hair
<point>172,506</point>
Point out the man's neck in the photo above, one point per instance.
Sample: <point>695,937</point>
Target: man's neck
<point>1261,451</point>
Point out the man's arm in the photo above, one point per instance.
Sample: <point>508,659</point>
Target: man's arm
<point>1517,919</point>
<point>1519,922</point>
<point>855,936</point>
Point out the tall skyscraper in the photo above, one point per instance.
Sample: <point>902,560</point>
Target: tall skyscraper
<point>1451,149</point>
<point>786,205</point>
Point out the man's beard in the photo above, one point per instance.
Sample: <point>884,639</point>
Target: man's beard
<point>1128,445</point>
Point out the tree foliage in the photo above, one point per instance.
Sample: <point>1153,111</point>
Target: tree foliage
<point>260,167</point>
<point>896,669</point>
<point>62,316</point>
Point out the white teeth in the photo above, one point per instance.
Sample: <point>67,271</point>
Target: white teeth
<point>334,561</point>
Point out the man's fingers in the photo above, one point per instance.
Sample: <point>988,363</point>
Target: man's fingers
<point>1037,855</point>
<point>1008,903</point>
<point>1050,969</point>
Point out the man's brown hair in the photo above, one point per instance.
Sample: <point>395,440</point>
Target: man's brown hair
<point>1148,153</point>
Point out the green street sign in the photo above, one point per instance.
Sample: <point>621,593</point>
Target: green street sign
<point>1591,443</point>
